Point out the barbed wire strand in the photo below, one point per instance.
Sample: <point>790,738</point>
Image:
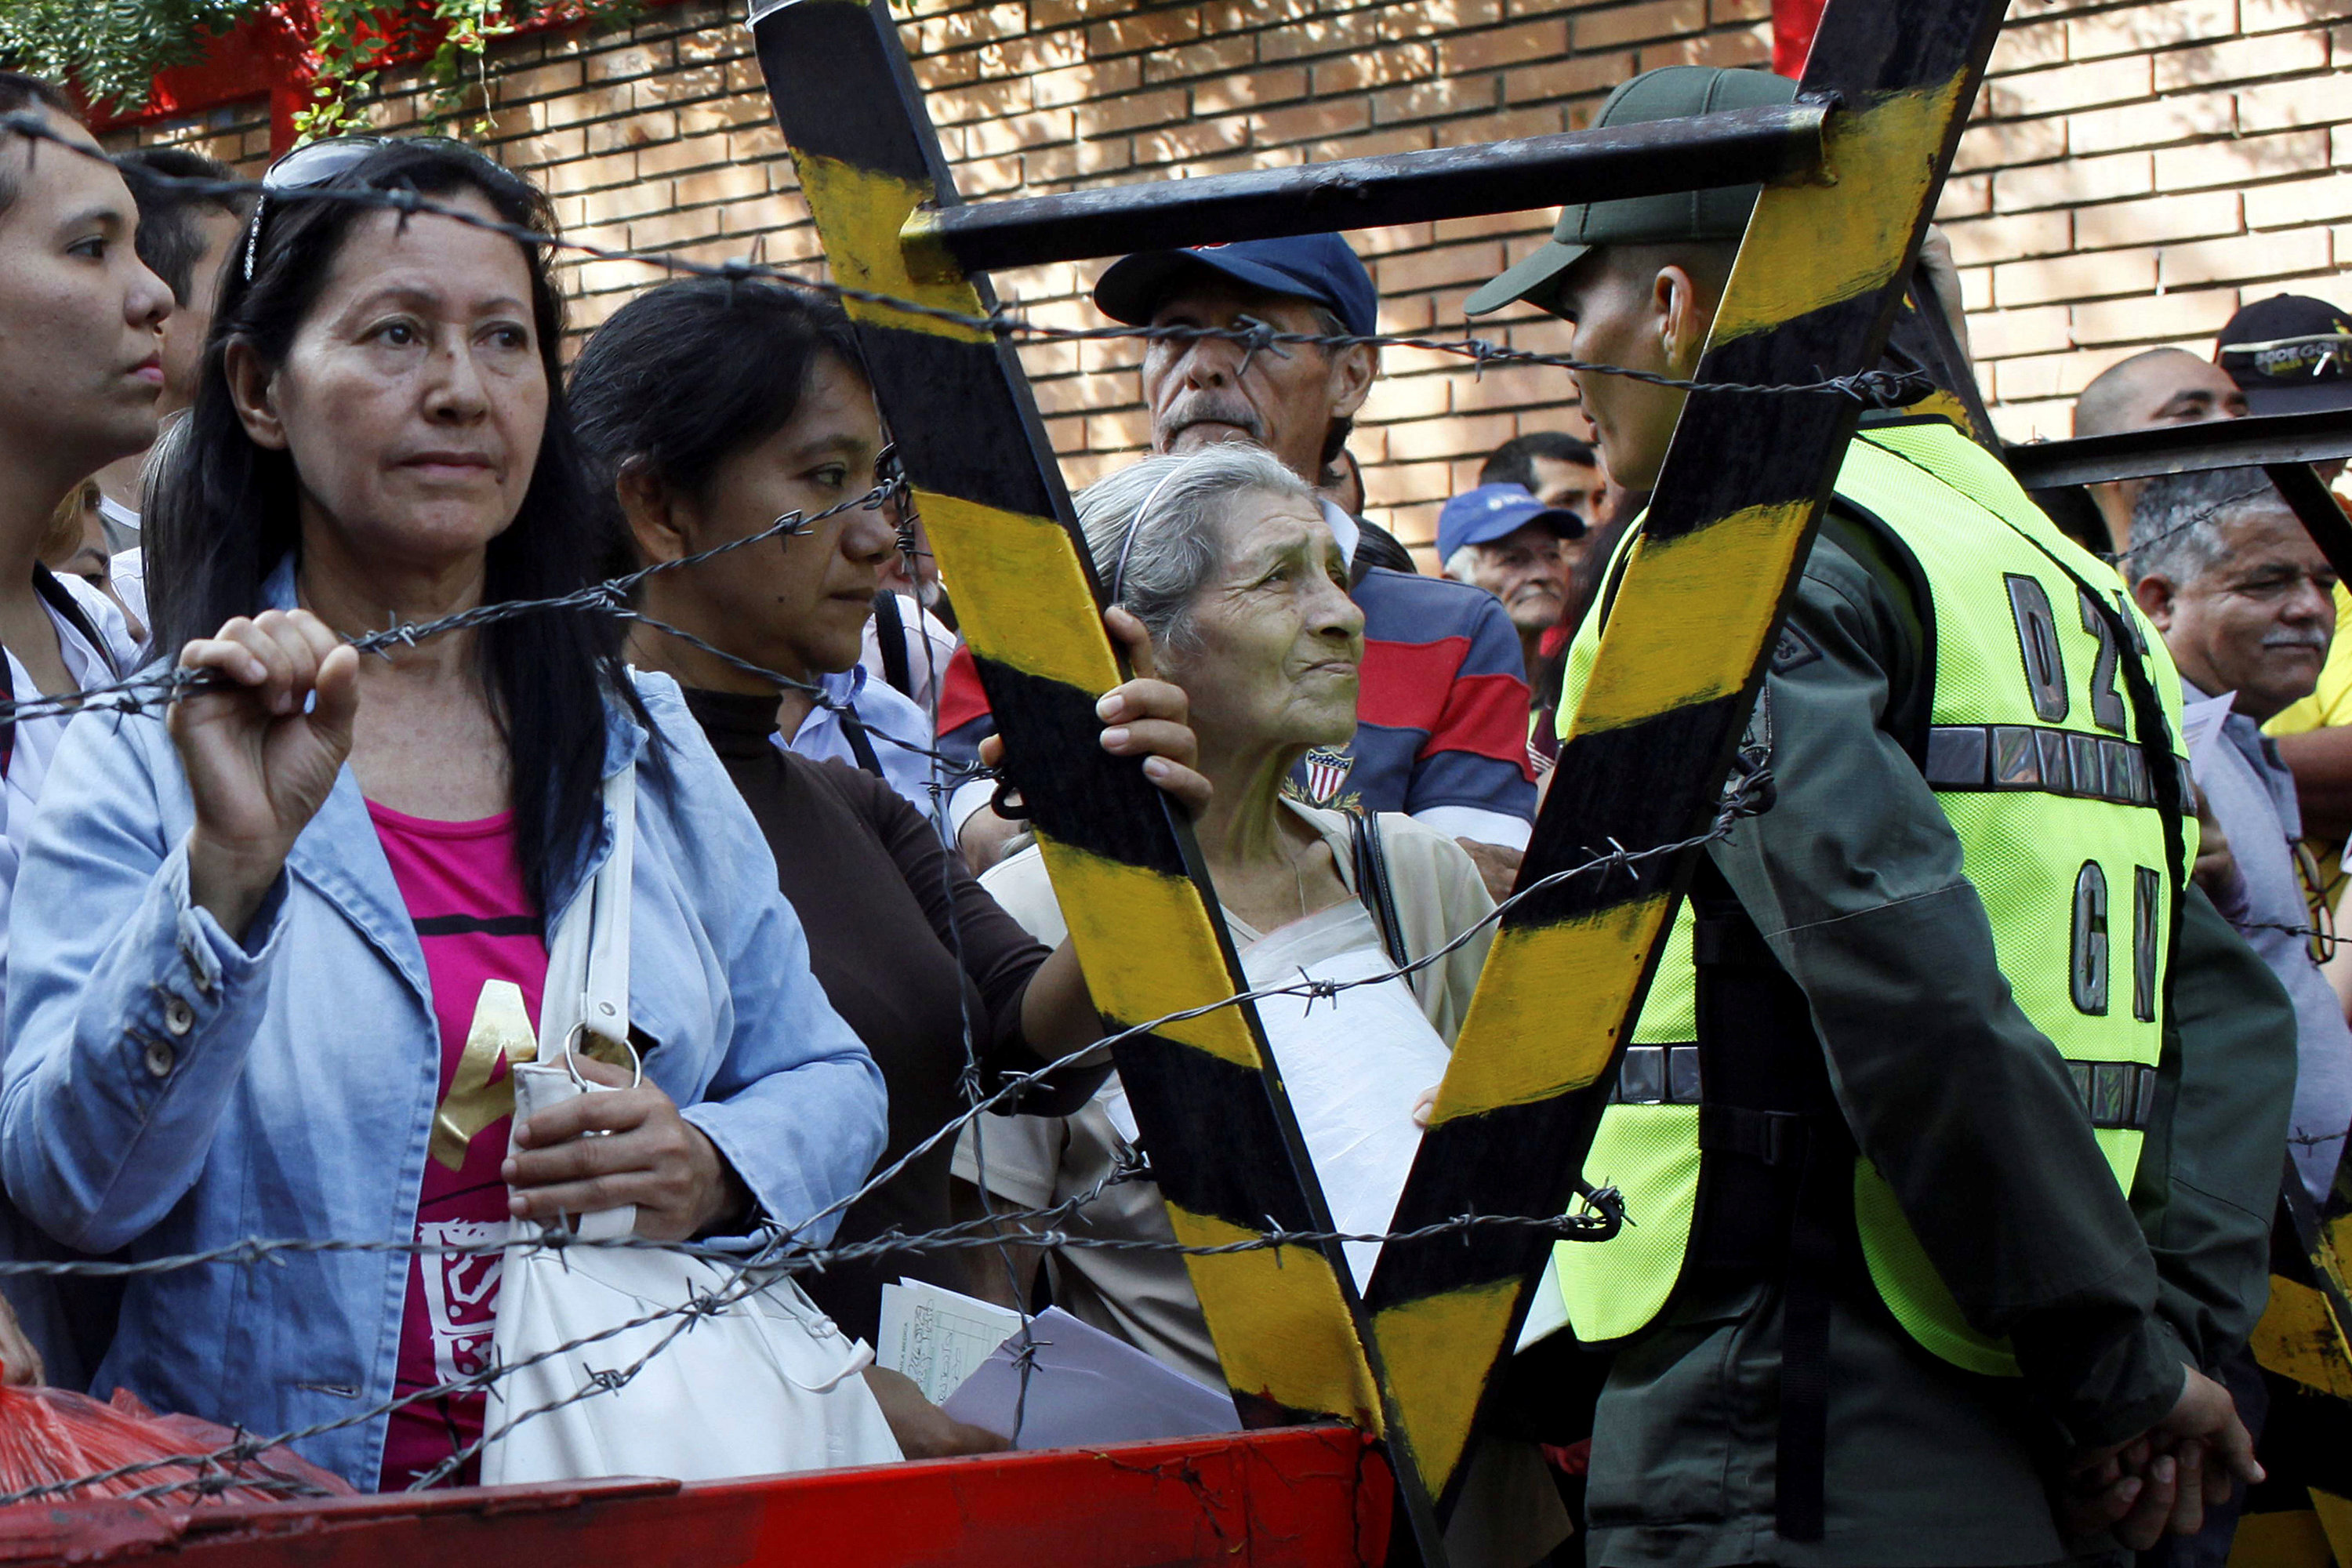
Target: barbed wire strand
<point>781,1255</point>
<point>1876,388</point>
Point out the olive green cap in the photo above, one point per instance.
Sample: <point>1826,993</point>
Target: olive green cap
<point>1670,92</point>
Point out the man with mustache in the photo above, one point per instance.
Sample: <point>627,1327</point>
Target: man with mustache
<point>2245,602</point>
<point>1442,716</point>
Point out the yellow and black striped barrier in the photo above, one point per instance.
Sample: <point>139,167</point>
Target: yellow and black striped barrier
<point>1819,277</point>
<point>1228,1157</point>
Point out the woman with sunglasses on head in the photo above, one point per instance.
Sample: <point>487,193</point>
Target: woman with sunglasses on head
<point>717,407</point>
<point>272,951</point>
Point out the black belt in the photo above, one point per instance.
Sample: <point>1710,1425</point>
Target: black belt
<point>2116,1096</point>
<point>1996,757</point>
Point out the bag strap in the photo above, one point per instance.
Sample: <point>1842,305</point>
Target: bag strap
<point>56,596</point>
<point>1369,854</point>
<point>588,967</point>
<point>890,632</point>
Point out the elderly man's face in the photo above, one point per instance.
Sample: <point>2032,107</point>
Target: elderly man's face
<point>2256,623</point>
<point>1283,398</point>
<point>1528,569</point>
<point>1276,646</point>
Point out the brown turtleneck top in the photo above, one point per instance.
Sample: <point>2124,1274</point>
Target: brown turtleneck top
<point>875,891</point>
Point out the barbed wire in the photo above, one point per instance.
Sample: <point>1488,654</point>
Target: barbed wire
<point>1874,388</point>
<point>779,1254</point>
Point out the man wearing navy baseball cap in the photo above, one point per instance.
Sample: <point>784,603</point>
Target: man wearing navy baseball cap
<point>1499,537</point>
<point>1442,716</point>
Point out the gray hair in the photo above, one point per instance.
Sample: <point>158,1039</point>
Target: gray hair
<point>2176,523</point>
<point>1151,528</point>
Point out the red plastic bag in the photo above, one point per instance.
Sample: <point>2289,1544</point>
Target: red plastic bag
<point>51,1436</point>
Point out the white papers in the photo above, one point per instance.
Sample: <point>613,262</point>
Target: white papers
<point>1352,1063</point>
<point>936,1337</point>
<point>1085,1387</point>
<point>2201,721</point>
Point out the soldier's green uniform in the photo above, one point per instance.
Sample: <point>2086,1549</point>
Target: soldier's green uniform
<point>1855,879</point>
<point>1953,1121</point>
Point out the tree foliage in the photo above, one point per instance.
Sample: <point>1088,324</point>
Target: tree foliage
<point>113,48</point>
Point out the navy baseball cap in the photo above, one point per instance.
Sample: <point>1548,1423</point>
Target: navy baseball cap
<point>2289,353</point>
<point>1314,267</point>
<point>1488,514</point>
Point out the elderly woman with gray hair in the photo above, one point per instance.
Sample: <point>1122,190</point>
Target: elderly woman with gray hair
<point>1224,555</point>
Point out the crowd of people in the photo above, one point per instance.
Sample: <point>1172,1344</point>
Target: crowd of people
<point>1951,1133</point>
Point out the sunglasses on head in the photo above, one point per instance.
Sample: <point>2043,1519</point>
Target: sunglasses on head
<point>315,163</point>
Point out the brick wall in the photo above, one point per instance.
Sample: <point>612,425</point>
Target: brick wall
<point>2135,170</point>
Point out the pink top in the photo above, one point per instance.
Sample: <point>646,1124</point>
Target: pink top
<point>464,890</point>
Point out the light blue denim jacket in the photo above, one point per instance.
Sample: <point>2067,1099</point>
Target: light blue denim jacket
<point>168,1089</point>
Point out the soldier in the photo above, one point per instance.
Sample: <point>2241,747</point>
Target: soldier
<point>1921,1265</point>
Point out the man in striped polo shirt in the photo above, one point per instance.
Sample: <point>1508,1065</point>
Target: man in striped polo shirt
<point>1442,719</point>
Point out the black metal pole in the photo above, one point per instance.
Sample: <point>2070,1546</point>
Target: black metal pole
<point>1741,146</point>
<point>2320,435</point>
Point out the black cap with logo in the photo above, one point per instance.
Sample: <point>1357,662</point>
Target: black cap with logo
<point>2289,355</point>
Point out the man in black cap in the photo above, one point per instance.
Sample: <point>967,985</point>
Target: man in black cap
<point>1442,717</point>
<point>2290,353</point>
<point>1890,1291</point>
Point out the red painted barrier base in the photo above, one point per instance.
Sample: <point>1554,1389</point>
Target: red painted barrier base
<point>1314,1497</point>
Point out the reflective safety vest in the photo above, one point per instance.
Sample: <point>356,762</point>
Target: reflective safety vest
<point>2031,752</point>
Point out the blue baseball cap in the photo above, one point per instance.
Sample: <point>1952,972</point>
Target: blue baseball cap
<point>1316,266</point>
<point>1488,514</point>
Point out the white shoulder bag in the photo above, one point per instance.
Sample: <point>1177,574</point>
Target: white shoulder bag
<point>763,1385</point>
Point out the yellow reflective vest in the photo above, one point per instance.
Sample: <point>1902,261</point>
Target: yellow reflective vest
<point>2031,754</point>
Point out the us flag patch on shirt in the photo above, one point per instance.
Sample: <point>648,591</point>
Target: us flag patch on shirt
<point>1327,773</point>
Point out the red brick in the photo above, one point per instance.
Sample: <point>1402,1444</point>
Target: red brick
<point>2241,59</point>
<point>662,230</point>
<point>978,101</point>
<point>1435,18</point>
<point>1725,51</point>
<point>933,72</point>
<point>2267,15</point>
<point>2000,334</point>
<point>1229,52</point>
<point>2319,200</point>
<point>1226,94</point>
<point>1616,25</point>
<point>2074,277</point>
<point>1568,77</point>
<point>2179,119</point>
<point>1143,30</point>
<point>1377,144</point>
<point>673,157</point>
<point>1194,139</point>
<point>1536,120</point>
<point>1304,122</point>
<point>1131,112</point>
<point>966,26</point>
<point>2073,86</point>
<point>2023,46</point>
<point>540,81</point>
<point>2004,145</point>
<point>1431,100</point>
<point>1322,36</point>
<point>1967,196</point>
<point>2073,182</point>
<point>1398,397</point>
<point>2134,29</point>
<point>1374,67</point>
<point>2245,256</point>
<point>2241,161</point>
<point>1976,241</point>
<point>2196,216</point>
<point>2179,313</point>
<point>639,129</point>
<point>1416,270</point>
<point>1084,83</point>
<point>637,59</point>
<point>1521,44</point>
<point>732,183</point>
<point>995,138</point>
<point>2310,100</point>
<point>1719,12</point>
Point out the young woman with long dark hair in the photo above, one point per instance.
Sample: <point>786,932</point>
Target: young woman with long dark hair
<point>716,407</point>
